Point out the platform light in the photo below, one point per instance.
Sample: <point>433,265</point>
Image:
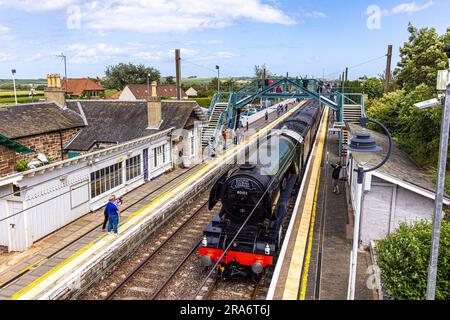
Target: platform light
<point>362,147</point>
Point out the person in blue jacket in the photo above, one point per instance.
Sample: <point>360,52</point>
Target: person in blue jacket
<point>113,215</point>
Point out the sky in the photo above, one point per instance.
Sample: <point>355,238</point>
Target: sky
<point>300,37</point>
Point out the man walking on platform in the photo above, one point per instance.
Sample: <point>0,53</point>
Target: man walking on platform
<point>113,215</point>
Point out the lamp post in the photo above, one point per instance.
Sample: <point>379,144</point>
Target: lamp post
<point>148,85</point>
<point>362,147</point>
<point>32,92</point>
<point>13,71</point>
<point>434,251</point>
<point>218,78</point>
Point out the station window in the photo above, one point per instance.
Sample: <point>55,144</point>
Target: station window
<point>106,179</point>
<point>133,167</point>
<point>160,155</point>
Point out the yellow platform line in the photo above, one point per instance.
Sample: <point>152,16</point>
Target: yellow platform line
<point>291,290</point>
<point>138,216</point>
<point>304,278</point>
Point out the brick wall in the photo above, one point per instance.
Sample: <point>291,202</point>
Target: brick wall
<point>48,144</point>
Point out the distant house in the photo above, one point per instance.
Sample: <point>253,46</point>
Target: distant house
<point>191,92</point>
<point>113,122</point>
<point>115,96</point>
<point>140,92</point>
<point>83,87</point>
<point>27,130</point>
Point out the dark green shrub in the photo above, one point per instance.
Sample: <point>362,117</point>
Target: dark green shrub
<point>403,259</point>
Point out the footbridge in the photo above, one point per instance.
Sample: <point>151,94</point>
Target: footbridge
<point>225,107</point>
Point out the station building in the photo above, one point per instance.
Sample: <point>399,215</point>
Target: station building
<point>399,191</point>
<point>110,147</point>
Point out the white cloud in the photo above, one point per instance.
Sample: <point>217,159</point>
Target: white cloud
<point>38,6</point>
<point>214,42</point>
<point>5,33</point>
<point>315,15</point>
<point>5,56</point>
<point>4,29</point>
<point>158,16</point>
<point>80,53</point>
<point>411,7</point>
<point>34,57</point>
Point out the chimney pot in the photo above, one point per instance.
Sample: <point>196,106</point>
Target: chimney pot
<point>154,91</point>
<point>154,108</point>
<point>54,92</point>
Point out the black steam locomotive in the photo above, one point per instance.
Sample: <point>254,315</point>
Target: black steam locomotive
<point>258,193</point>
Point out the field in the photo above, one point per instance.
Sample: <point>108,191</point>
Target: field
<point>7,96</point>
<point>20,93</point>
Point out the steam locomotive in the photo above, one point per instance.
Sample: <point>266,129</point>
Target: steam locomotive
<point>255,196</point>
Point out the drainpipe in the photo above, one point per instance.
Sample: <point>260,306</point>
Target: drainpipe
<point>61,145</point>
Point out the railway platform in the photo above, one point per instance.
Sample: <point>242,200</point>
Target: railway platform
<point>77,254</point>
<point>315,259</point>
<point>18,269</point>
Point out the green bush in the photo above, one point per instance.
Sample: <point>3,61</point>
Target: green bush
<point>203,102</point>
<point>403,259</point>
<point>22,165</point>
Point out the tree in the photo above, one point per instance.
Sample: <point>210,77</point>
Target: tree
<point>122,74</point>
<point>259,71</point>
<point>170,80</point>
<point>421,57</point>
<point>403,259</point>
<point>373,87</point>
<point>387,110</point>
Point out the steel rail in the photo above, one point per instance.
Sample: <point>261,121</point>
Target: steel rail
<point>152,255</point>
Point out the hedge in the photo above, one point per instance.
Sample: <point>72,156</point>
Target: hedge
<point>403,259</point>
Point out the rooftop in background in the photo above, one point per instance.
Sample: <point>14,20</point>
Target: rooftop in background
<point>23,120</point>
<point>140,91</point>
<point>399,166</point>
<point>119,121</point>
<point>76,87</point>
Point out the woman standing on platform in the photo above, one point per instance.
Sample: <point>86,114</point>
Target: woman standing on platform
<point>335,176</point>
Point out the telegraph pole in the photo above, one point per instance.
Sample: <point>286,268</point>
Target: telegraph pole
<point>178,72</point>
<point>388,68</point>
<point>443,149</point>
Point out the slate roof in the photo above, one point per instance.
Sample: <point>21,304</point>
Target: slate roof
<point>76,87</point>
<point>162,90</point>
<point>399,165</point>
<point>23,120</point>
<point>116,121</point>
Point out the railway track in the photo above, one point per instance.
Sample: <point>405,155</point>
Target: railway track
<point>153,266</point>
<point>216,288</point>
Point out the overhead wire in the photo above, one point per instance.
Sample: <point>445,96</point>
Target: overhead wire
<point>357,65</point>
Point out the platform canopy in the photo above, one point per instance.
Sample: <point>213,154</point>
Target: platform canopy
<point>14,145</point>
